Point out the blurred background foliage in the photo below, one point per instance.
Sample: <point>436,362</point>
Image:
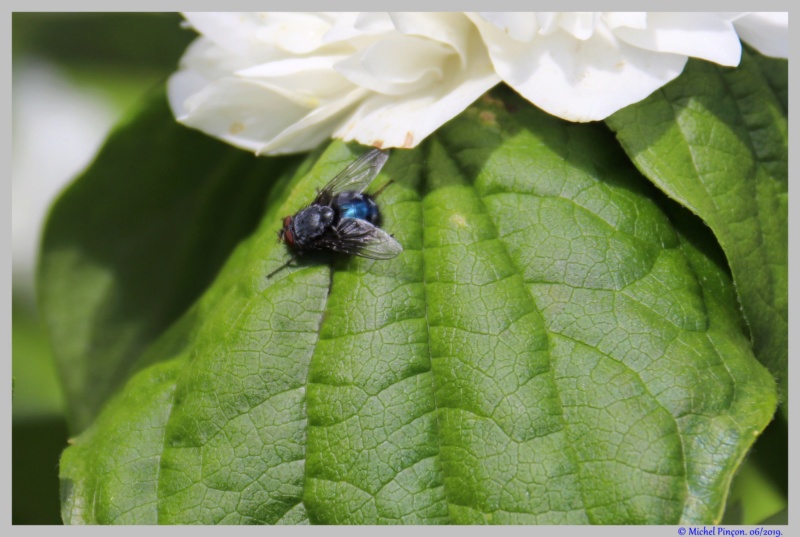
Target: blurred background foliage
<point>74,75</point>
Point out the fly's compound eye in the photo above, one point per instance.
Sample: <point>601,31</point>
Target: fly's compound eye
<point>288,236</point>
<point>287,221</point>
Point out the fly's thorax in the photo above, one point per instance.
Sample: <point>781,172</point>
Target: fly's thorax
<point>311,223</point>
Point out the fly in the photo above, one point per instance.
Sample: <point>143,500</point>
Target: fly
<point>343,218</point>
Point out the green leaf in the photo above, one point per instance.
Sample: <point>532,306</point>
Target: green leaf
<point>716,140</point>
<point>135,240</point>
<point>551,347</point>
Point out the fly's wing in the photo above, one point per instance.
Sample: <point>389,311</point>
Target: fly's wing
<point>359,237</point>
<point>356,177</point>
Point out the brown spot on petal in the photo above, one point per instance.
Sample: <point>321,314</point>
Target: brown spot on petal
<point>409,141</point>
<point>378,144</point>
<point>236,127</point>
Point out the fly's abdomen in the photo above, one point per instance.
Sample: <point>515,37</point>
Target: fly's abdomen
<point>359,206</point>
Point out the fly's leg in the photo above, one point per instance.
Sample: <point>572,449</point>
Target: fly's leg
<point>281,267</point>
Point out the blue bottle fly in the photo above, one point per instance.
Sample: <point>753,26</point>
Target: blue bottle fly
<point>343,218</point>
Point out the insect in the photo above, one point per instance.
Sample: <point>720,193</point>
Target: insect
<point>343,218</point>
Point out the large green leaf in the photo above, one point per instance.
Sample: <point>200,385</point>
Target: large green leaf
<point>551,347</point>
<point>716,140</point>
<point>134,241</point>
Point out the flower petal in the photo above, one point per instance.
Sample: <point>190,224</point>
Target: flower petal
<point>384,122</point>
<point>768,33</point>
<point>700,35</point>
<point>579,80</point>
<point>404,121</point>
<point>578,25</point>
<point>315,127</point>
<point>453,29</point>
<point>396,65</point>
<point>233,32</point>
<point>210,60</point>
<point>518,26</point>
<point>308,81</point>
<point>296,33</point>
<point>342,29</point>
<point>374,23</point>
<point>631,19</point>
<point>548,22</point>
<point>242,112</point>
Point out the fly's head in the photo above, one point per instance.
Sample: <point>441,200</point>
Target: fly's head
<point>286,233</point>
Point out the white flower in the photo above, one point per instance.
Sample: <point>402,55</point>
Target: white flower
<point>586,66</point>
<point>278,83</point>
<point>284,82</point>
